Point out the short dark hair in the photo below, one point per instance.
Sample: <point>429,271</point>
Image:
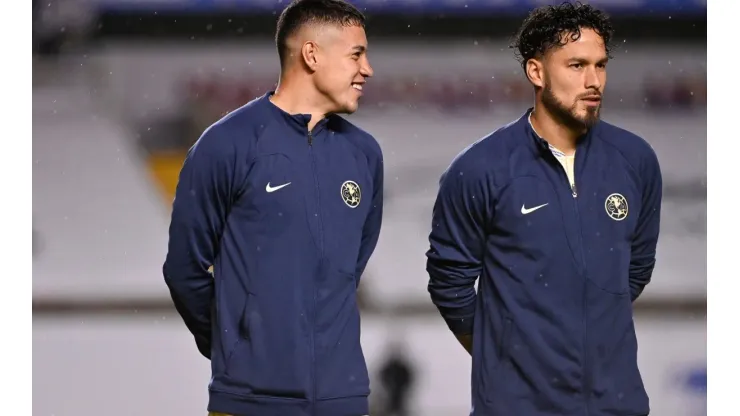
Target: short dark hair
<point>302,12</point>
<point>545,26</point>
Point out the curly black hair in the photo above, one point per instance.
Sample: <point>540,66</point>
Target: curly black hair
<point>546,26</point>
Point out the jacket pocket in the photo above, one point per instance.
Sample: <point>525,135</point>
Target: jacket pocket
<point>341,369</point>
<point>504,340</point>
<point>271,356</point>
<point>616,372</point>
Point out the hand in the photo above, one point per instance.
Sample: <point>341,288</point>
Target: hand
<point>467,342</point>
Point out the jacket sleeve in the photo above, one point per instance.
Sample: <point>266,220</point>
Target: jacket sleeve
<point>373,222</point>
<point>457,239</point>
<point>202,200</point>
<point>645,239</point>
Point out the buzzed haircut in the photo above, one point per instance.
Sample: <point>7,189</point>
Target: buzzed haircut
<point>303,12</point>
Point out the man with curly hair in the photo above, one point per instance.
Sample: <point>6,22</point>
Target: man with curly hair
<point>558,214</point>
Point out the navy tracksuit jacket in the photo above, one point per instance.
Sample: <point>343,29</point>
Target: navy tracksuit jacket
<point>288,218</point>
<point>559,268</point>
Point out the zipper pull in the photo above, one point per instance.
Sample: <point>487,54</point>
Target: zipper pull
<point>310,138</point>
<point>574,190</point>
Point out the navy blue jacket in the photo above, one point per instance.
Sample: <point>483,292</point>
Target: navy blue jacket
<point>288,219</point>
<point>552,323</point>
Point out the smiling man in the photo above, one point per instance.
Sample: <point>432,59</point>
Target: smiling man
<point>283,198</point>
<point>558,214</point>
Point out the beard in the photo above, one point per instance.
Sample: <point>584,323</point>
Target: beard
<point>569,116</point>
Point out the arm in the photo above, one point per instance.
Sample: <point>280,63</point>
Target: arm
<point>455,256</point>
<point>371,229</point>
<point>648,227</point>
<point>199,211</point>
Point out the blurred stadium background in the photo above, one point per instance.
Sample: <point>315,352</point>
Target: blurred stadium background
<point>123,87</point>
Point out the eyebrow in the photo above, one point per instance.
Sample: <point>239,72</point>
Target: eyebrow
<point>359,48</point>
<point>586,61</point>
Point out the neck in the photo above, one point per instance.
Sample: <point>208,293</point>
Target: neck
<point>295,94</point>
<point>556,133</point>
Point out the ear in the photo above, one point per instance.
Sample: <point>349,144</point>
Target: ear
<point>309,53</point>
<point>535,72</point>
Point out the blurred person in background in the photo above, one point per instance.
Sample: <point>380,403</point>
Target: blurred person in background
<point>283,199</point>
<point>397,376</point>
<point>559,214</point>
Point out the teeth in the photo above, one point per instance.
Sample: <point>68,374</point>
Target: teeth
<point>357,87</point>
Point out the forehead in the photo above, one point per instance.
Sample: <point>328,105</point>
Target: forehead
<point>590,45</point>
<point>347,36</point>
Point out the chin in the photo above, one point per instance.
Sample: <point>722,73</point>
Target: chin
<point>589,121</point>
<point>587,111</point>
<point>348,108</point>
<point>586,114</point>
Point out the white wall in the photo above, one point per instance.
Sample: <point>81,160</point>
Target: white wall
<point>100,222</point>
<point>148,365</point>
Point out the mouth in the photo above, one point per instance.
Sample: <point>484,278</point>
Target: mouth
<point>357,86</point>
<point>592,99</point>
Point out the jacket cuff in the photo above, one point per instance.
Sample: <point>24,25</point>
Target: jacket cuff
<point>461,321</point>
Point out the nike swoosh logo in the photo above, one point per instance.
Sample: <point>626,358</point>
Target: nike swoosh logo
<point>269,188</point>
<point>526,211</point>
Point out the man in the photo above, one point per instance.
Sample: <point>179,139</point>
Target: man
<point>558,213</point>
<point>284,199</point>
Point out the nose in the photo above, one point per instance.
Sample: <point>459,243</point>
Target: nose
<point>365,69</point>
<point>593,79</point>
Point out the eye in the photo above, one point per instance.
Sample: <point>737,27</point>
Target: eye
<point>356,55</point>
<point>576,65</point>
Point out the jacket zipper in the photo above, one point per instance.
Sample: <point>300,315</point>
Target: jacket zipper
<point>318,195</point>
<point>586,364</point>
<point>586,361</point>
<point>321,248</point>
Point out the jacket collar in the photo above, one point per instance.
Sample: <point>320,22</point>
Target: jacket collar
<point>540,145</point>
<point>297,121</point>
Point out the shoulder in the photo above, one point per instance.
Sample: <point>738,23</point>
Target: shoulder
<point>248,120</point>
<point>235,131</point>
<point>638,151</point>
<point>468,170</point>
<point>483,158</point>
<point>359,137</point>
